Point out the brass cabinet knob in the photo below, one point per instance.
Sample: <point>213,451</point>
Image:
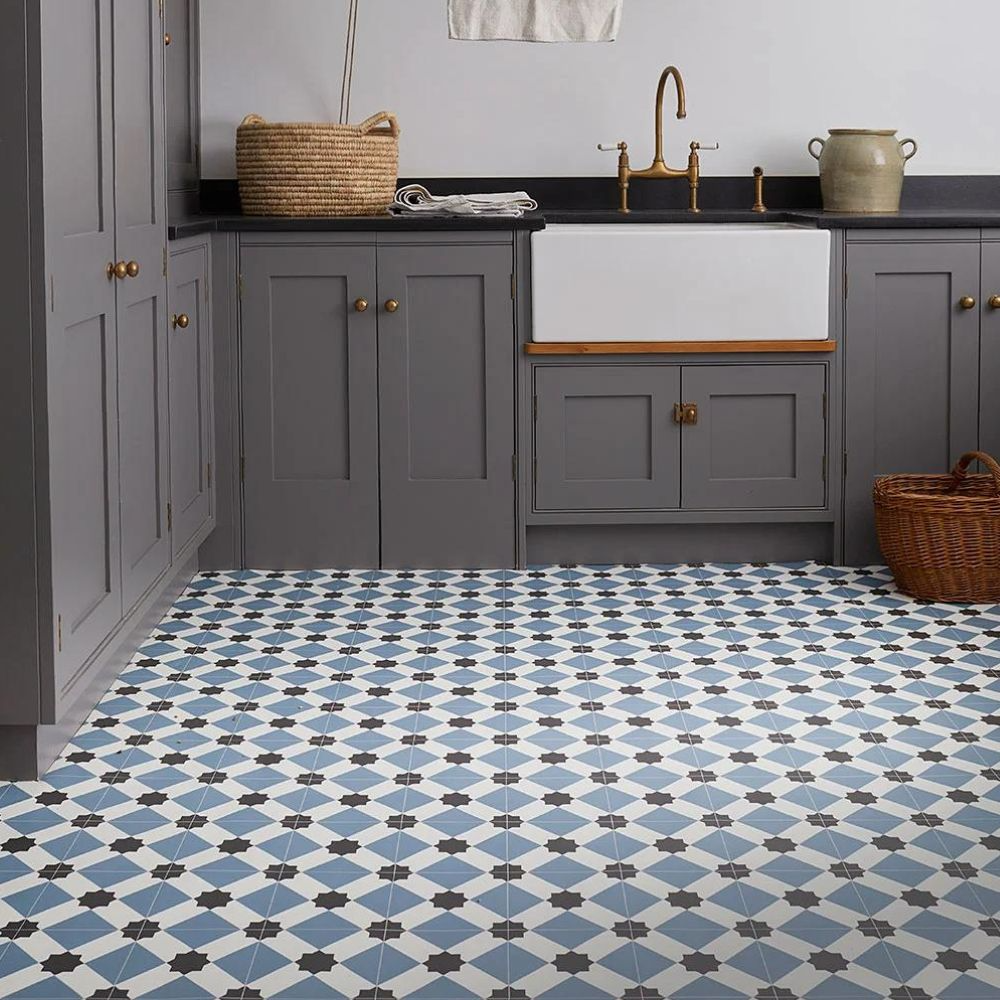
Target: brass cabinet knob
<point>119,270</point>
<point>167,39</point>
<point>361,305</point>
<point>132,269</point>
<point>391,306</point>
<point>967,302</point>
<point>182,320</point>
<point>995,301</point>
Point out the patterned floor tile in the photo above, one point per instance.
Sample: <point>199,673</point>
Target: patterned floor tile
<point>704,782</point>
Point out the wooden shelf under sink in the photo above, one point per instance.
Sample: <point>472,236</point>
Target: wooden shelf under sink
<point>684,347</point>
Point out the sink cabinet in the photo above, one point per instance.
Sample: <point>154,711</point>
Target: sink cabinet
<point>912,373</point>
<point>376,434</point>
<point>606,437</point>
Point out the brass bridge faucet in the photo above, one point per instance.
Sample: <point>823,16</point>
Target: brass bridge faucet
<point>659,170</point>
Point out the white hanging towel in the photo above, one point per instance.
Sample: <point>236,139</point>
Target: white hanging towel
<point>535,20</point>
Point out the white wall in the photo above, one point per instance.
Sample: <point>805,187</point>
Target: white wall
<point>762,78</point>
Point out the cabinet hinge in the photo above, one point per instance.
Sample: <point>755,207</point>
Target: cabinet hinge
<point>240,285</point>
<point>160,4</point>
<point>513,467</point>
<point>59,633</point>
<point>845,465</point>
<point>164,262</point>
<point>845,284</point>
<point>170,517</point>
<point>208,474</point>
<point>534,407</point>
<point>52,292</point>
<point>824,406</point>
<point>534,469</point>
<point>513,287</point>
<point>243,468</point>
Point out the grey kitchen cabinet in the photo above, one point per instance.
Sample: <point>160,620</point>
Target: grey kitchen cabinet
<point>310,406</point>
<point>189,352</point>
<point>605,438</point>
<point>911,398</point>
<point>140,221</point>
<point>989,376</point>
<point>87,555</point>
<point>182,73</point>
<point>760,436</point>
<point>446,405</point>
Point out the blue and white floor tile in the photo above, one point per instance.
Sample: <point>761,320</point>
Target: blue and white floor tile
<point>702,783</point>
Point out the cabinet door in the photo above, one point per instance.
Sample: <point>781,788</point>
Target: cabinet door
<point>912,370</point>
<point>190,377</point>
<point>446,397</point>
<point>181,72</point>
<point>140,197</point>
<point>310,407</point>
<point>605,438</point>
<point>989,393</point>
<point>760,437</point>
<point>81,358</point>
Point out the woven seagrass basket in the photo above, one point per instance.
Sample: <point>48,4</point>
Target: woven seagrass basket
<point>940,535</point>
<point>301,168</point>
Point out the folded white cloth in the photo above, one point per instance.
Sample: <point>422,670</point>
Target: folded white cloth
<point>535,20</point>
<point>415,199</point>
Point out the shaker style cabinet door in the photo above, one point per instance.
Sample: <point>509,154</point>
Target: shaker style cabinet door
<point>605,438</point>
<point>760,437</point>
<point>189,350</point>
<point>81,344</point>
<point>912,370</point>
<point>181,73</point>
<point>310,406</point>
<point>989,378</point>
<point>140,206</point>
<point>446,397</point>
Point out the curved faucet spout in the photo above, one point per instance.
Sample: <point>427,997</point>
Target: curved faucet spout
<point>670,71</point>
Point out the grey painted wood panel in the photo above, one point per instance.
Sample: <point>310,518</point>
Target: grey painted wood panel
<point>182,73</point>
<point>81,341</point>
<point>605,438</point>
<point>140,221</point>
<point>190,376</point>
<point>310,407</point>
<point>912,370</point>
<point>989,393</point>
<point>760,439</point>
<point>446,396</point>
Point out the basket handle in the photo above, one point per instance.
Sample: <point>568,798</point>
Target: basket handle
<point>377,119</point>
<point>962,467</point>
<point>252,120</point>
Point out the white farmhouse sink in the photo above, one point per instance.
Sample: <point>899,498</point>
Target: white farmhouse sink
<point>700,281</point>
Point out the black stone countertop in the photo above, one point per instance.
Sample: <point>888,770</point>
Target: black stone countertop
<point>913,218</point>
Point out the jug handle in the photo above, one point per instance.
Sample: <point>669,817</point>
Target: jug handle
<point>913,152</point>
<point>822,144</point>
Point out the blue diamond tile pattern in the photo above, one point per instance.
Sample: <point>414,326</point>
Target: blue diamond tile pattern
<point>706,782</point>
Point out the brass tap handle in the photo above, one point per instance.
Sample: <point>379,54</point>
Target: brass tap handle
<point>995,301</point>
<point>758,190</point>
<point>132,269</point>
<point>967,302</point>
<point>181,321</point>
<point>694,174</point>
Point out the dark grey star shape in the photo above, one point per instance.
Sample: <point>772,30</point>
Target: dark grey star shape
<point>572,962</point>
<point>960,961</point>
<point>444,962</point>
<point>698,962</point>
<point>316,962</point>
<point>828,961</point>
<point>190,961</point>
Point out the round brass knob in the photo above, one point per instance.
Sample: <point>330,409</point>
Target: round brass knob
<point>119,270</point>
<point>183,321</point>
<point>360,305</point>
<point>391,306</point>
<point>167,39</point>
<point>995,302</point>
<point>132,269</point>
<point>967,302</point>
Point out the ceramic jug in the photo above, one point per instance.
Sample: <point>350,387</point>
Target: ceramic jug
<point>861,170</point>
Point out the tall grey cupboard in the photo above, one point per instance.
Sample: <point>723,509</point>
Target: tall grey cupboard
<point>85,540</point>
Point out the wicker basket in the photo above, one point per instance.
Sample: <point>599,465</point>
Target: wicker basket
<point>940,535</point>
<point>304,169</point>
